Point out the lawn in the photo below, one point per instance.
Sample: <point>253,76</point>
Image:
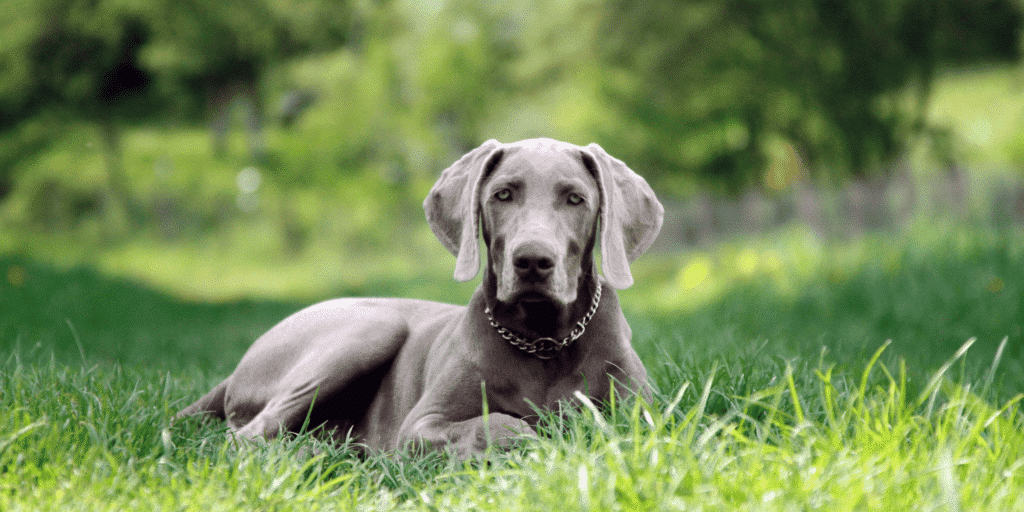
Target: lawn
<point>771,395</point>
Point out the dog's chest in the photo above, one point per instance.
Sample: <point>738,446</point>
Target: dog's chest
<point>514,392</point>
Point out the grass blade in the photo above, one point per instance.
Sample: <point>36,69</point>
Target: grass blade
<point>933,384</point>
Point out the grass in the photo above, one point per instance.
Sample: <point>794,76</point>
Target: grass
<point>769,397</point>
<point>98,439</point>
<point>927,293</point>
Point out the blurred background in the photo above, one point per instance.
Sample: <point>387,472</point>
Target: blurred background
<point>281,149</point>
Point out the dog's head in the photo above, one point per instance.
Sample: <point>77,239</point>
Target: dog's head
<point>539,204</point>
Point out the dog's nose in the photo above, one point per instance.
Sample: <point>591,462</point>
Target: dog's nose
<point>533,260</point>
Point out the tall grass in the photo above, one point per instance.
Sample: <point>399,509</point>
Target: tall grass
<point>99,438</point>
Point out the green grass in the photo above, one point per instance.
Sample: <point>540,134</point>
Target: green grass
<point>770,395</point>
<point>928,293</point>
<point>99,439</point>
<point>82,317</point>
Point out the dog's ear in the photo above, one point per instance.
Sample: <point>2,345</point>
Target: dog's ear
<point>631,215</point>
<point>453,207</point>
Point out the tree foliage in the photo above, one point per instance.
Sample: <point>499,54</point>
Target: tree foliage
<point>710,85</point>
<point>117,61</point>
<point>67,60</point>
<point>700,89</point>
<point>76,55</point>
<point>197,43</point>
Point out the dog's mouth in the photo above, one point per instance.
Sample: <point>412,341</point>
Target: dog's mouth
<point>532,297</point>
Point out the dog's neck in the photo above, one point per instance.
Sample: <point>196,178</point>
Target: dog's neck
<point>543,319</point>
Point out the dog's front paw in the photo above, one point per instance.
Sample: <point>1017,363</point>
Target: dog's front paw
<point>501,431</point>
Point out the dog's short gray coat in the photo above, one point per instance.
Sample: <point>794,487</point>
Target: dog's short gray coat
<point>393,372</point>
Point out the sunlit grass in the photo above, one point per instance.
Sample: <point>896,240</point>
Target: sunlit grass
<point>985,111</point>
<point>790,259</point>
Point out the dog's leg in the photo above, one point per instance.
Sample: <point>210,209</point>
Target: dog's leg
<point>466,438</point>
<point>211,403</point>
<point>335,356</point>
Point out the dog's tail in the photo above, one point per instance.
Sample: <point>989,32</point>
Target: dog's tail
<point>211,404</point>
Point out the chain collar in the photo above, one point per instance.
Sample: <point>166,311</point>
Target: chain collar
<point>546,348</point>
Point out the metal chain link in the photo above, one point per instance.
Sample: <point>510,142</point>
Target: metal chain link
<point>546,348</point>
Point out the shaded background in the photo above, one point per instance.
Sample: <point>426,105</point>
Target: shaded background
<point>280,149</point>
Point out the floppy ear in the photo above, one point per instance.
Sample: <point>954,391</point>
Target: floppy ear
<point>453,207</point>
<point>631,215</point>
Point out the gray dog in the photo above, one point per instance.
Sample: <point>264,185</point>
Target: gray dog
<point>540,327</point>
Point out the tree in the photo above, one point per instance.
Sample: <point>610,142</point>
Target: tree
<point>216,52</point>
<point>75,59</point>
<point>115,61</point>
<point>708,85</point>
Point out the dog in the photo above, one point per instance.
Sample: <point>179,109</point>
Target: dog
<point>392,373</point>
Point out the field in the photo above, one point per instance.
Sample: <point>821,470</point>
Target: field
<point>767,399</point>
<point>880,371</point>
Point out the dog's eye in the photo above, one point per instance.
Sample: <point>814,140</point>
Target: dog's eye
<point>503,195</point>
<point>575,198</point>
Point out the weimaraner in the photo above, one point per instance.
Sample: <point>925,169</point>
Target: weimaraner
<point>541,325</point>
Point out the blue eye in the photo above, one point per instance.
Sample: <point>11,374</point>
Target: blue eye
<point>503,195</point>
<point>575,198</point>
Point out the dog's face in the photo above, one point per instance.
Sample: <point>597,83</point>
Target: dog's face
<point>539,210</point>
<point>539,203</point>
